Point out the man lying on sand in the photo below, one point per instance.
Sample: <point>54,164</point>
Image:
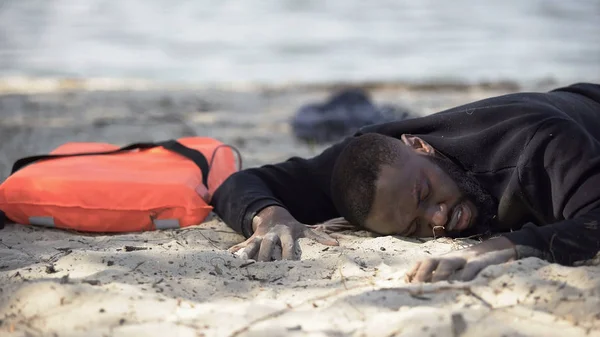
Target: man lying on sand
<point>521,171</point>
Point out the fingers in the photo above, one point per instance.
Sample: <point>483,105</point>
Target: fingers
<point>434,269</point>
<point>266,247</point>
<point>288,247</point>
<point>321,238</point>
<point>471,270</point>
<point>247,249</point>
<point>446,268</point>
<point>459,265</point>
<point>478,264</point>
<point>425,270</point>
<point>412,272</point>
<point>237,247</point>
<point>262,248</point>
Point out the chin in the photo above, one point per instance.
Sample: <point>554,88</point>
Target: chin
<point>474,213</point>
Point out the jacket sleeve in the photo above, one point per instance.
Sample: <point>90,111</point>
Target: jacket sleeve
<point>562,180</point>
<point>297,184</point>
<point>566,242</point>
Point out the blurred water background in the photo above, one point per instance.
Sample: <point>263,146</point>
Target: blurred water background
<point>275,41</point>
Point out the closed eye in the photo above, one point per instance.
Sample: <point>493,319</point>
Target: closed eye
<point>424,193</point>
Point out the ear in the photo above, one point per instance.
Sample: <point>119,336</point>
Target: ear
<point>418,144</point>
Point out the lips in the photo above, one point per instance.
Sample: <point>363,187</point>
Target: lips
<point>461,217</point>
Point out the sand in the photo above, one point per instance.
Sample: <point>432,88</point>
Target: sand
<point>185,283</point>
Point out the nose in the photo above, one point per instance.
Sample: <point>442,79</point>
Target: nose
<point>437,215</point>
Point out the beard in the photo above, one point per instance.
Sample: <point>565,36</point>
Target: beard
<point>486,204</point>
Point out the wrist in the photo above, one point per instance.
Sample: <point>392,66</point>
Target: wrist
<point>494,244</point>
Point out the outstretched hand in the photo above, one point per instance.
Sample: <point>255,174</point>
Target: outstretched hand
<point>462,265</point>
<point>275,230</point>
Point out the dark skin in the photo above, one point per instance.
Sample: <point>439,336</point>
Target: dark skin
<point>275,226</point>
<point>414,198</point>
<point>424,199</point>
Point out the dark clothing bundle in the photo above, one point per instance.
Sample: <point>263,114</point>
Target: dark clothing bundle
<point>537,154</point>
<point>342,115</point>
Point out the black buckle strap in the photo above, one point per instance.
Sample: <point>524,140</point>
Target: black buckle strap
<point>172,145</point>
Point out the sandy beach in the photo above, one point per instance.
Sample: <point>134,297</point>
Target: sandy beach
<point>184,282</point>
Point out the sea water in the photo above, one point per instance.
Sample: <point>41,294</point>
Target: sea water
<point>274,41</point>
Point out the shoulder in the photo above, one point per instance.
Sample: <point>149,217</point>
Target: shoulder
<point>560,127</point>
<point>559,141</point>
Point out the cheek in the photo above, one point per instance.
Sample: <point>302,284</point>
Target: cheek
<point>382,229</point>
<point>390,224</point>
<point>381,219</point>
<point>393,224</point>
<point>446,190</point>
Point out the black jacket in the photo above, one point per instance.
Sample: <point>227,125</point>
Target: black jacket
<point>538,154</point>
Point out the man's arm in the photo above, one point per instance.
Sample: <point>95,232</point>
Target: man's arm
<point>562,180</point>
<point>301,186</point>
<point>565,242</point>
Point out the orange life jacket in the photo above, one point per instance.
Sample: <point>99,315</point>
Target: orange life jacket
<point>99,187</point>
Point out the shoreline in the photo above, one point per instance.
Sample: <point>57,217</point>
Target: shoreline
<point>40,114</point>
<point>38,85</point>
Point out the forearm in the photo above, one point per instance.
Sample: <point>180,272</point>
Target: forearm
<point>240,198</point>
<point>565,242</point>
<point>296,185</point>
<point>301,186</point>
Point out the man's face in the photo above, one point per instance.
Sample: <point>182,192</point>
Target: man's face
<point>418,197</point>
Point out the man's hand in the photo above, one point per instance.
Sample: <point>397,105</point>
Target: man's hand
<point>275,226</point>
<point>465,264</point>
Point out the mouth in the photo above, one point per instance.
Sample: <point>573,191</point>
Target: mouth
<point>461,218</point>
